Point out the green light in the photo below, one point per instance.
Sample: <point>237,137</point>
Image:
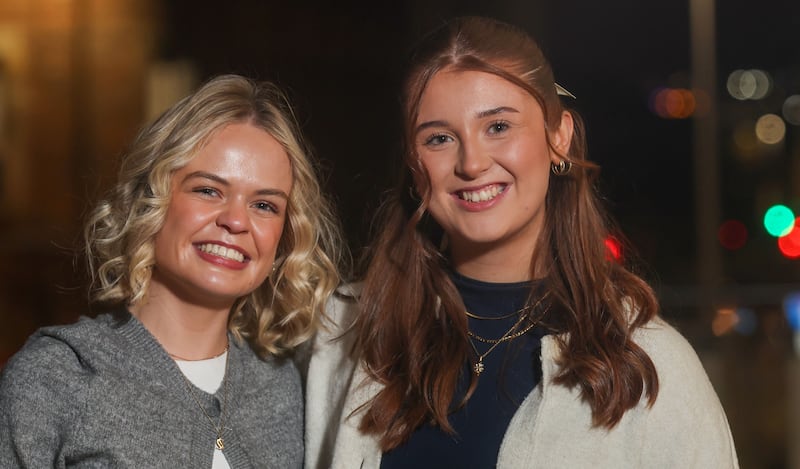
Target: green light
<point>779,220</point>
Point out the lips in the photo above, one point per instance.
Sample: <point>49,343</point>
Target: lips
<point>225,252</point>
<point>484,194</point>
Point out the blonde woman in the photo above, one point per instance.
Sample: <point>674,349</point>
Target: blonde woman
<point>212,258</point>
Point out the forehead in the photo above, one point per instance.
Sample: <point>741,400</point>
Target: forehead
<point>470,91</point>
<point>243,152</point>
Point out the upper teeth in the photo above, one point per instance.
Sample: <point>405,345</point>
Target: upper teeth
<point>487,193</point>
<point>222,251</point>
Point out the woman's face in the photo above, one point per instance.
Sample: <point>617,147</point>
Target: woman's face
<point>482,141</point>
<point>225,217</point>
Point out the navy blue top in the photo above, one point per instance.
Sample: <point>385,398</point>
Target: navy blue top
<point>511,371</point>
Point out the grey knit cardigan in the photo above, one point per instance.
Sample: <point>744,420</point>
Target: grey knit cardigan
<point>103,393</point>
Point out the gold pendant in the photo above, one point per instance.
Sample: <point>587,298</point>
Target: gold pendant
<point>220,444</point>
<point>478,367</point>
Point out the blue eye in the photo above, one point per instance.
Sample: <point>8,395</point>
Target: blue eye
<point>266,207</point>
<point>210,191</point>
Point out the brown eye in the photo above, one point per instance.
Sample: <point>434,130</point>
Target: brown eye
<point>437,139</point>
<point>498,127</point>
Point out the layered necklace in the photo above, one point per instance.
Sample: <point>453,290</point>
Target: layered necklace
<point>517,330</point>
<point>219,426</point>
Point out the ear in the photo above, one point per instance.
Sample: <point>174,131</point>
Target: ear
<point>561,138</point>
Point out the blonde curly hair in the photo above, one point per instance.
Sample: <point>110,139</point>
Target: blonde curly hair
<point>119,234</point>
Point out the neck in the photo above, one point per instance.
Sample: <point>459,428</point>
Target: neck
<point>495,264</point>
<point>188,331</point>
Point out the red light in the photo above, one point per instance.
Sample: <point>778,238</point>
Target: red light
<point>673,103</point>
<point>613,249</point>
<point>732,235</point>
<point>790,244</point>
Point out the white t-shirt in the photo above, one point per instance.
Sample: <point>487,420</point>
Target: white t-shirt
<point>207,375</point>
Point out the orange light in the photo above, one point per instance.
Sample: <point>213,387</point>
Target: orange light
<point>673,103</point>
<point>724,321</point>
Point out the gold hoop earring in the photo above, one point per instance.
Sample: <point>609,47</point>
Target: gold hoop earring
<point>561,168</point>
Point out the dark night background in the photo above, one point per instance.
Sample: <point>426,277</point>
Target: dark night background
<point>73,90</point>
<point>343,64</point>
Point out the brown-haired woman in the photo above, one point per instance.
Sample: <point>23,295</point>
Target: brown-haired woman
<point>493,330</point>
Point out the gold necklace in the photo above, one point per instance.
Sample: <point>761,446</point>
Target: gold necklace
<point>504,338</point>
<point>178,357</point>
<point>219,443</point>
<point>478,366</point>
<point>505,316</point>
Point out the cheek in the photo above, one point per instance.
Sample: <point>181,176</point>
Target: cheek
<point>530,159</point>
<point>185,212</point>
<point>437,168</point>
<point>269,236</point>
<point>181,221</point>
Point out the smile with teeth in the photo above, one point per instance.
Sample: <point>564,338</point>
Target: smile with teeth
<point>483,195</point>
<point>222,251</point>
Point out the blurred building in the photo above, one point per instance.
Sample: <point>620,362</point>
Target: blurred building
<point>72,93</point>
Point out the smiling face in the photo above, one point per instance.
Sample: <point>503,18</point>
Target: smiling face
<point>483,143</point>
<point>225,218</point>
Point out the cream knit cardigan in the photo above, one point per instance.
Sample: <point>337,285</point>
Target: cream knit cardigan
<point>685,428</point>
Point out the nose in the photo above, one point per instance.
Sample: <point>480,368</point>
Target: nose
<point>473,161</point>
<point>234,217</point>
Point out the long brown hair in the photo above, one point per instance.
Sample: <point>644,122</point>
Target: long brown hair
<point>412,328</point>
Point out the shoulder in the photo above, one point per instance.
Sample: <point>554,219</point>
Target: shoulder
<point>54,366</point>
<point>686,406</point>
<point>262,371</point>
<point>669,351</point>
<point>686,397</point>
<point>54,349</point>
<point>673,356</point>
<point>333,343</point>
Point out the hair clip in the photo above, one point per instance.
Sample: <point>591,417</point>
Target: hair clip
<point>561,91</point>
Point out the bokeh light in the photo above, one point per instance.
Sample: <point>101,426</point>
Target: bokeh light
<point>791,308</point>
<point>732,235</point>
<point>728,319</point>
<point>749,84</point>
<point>791,109</point>
<point>789,244</point>
<point>724,321</point>
<point>673,103</point>
<point>770,129</point>
<point>747,321</point>
<point>613,249</point>
<point>779,220</point>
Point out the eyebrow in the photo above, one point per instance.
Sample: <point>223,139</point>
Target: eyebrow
<point>224,182</point>
<point>479,115</point>
<point>495,111</point>
<point>429,124</point>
